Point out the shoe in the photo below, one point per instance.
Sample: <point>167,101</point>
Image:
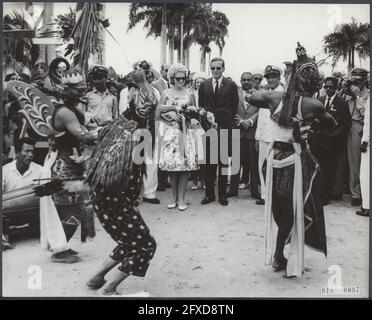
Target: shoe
<point>223,201</point>
<point>363,212</point>
<point>182,208</point>
<point>172,205</point>
<point>207,200</point>
<point>243,186</point>
<point>279,265</point>
<point>166,185</point>
<point>160,188</point>
<point>72,251</point>
<point>231,194</point>
<point>153,201</point>
<point>65,257</point>
<point>7,246</point>
<point>260,201</point>
<point>325,202</point>
<point>256,196</point>
<point>356,202</point>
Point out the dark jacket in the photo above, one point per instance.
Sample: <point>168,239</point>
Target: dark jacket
<point>243,114</point>
<point>339,109</point>
<point>224,106</point>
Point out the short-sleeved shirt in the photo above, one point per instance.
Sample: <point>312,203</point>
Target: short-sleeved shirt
<point>101,106</point>
<point>12,178</point>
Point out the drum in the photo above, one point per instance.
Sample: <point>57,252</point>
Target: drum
<point>20,200</point>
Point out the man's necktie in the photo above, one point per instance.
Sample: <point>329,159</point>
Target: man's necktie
<point>216,88</point>
<point>328,104</point>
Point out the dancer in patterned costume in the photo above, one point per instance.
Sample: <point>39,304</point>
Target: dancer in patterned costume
<point>116,184</point>
<point>291,169</point>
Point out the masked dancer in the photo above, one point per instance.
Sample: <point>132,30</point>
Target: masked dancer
<point>116,184</point>
<point>291,170</point>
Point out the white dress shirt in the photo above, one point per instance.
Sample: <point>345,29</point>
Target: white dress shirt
<point>12,178</point>
<point>219,83</point>
<point>330,100</point>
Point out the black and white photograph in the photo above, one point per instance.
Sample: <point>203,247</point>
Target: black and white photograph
<point>185,150</point>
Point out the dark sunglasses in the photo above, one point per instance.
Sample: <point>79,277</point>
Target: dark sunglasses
<point>246,80</point>
<point>329,87</point>
<point>259,79</point>
<point>180,79</point>
<point>216,68</point>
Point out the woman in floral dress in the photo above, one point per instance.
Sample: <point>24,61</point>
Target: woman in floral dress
<point>178,139</point>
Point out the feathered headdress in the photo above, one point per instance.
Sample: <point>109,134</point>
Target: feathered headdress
<point>304,76</point>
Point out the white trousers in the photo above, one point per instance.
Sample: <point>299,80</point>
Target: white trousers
<point>263,152</point>
<point>150,180</point>
<point>364,178</point>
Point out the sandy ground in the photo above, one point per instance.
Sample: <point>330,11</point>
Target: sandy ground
<point>206,251</point>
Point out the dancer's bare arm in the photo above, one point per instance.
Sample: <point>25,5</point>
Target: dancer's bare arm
<point>67,119</point>
<point>314,109</point>
<point>266,99</point>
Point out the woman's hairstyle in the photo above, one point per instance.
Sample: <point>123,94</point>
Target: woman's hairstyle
<point>174,69</point>
<point>138,76</point>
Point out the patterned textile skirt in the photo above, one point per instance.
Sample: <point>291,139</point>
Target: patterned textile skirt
<point>282,195</point>
<point>121,219</point>
<point>65,168</point>
<point>178,150</point>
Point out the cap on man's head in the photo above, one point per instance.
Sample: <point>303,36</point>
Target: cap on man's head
<point>359,73</point>
<point>272,71</point>
<point>98,73</point>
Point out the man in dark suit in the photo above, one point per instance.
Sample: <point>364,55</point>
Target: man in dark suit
<point>330,146</point>
<point>246,122</point>
<point>218,95</point>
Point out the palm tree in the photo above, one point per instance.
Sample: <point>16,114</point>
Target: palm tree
<point>19,46</point>
<point>213,28</point>
<point>345,40</point>
<point>86,33</point>
<point>202,25</point>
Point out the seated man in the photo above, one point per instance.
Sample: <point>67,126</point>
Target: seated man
<point>22,171</point>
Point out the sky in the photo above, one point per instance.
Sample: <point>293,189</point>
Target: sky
<point>259,34</point>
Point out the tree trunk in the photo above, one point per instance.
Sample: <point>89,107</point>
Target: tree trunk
<point>171,50</point>
<point>163,45</point>
<point>47,52</point>
<point>202,60</point>
<point>178,55</point>
<point>187,58</point>
<point>209,62</point>
<point>352,58</point>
